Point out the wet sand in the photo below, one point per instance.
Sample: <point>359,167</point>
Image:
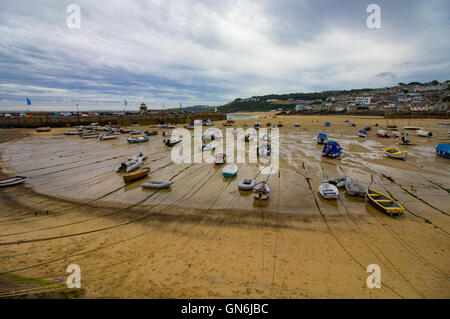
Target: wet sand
<point>203,238</point>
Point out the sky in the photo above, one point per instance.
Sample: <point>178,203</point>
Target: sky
<point>210,52</point>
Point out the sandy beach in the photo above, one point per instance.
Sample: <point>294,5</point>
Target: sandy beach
<point>204,238</point>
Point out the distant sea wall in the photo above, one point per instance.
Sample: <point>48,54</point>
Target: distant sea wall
<point>388,115</point>
<point>68,121</point>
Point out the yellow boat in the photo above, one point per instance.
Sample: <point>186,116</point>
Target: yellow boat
<point>384,203</point>
<point>137,174</point>
<point>394,152</point>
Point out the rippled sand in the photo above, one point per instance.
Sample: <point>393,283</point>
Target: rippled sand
<point>204,238</point>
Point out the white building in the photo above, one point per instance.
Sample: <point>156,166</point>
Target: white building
<point>364,100</point>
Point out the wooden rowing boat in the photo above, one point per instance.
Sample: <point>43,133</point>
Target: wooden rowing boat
<point>394,152</point>
<point>135,175</point>
<point>13,181</point>
<point>384,203</point>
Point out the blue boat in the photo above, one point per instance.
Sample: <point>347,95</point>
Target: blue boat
<point>351,124</point>
<point>257,126</point>
<point>138,139</point>
<point>367,128</point>
<point>332,149</point>
<point>322,138</point>
<point>362,133</point>
<point>327,123</point>
<point>443,150</point>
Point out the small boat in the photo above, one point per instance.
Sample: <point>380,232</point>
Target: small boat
<point>396,134</point>
<point>265,150</point>
<point>394,152</point>
<point>404,140</point>
<point>354,189</point>
<point>225,124</point>
<point>172,142</point>
<point>134,165</point>
<point>230,170</point>
<point>136,157</point>
<point>338,181</point>
<point>89,135</point>
<point>107,136</point>
<point>189,127</point>
<point>443,150</point>
<point>124,130</point>
<point>13,181</point>
<point>72,132</point>
<point>209,147</point>
<point>424,133</point>
<point>384,203</point>
<point>367,128</point>
<point>332,149</point>
<point>261,190</point>
<point>280,124</point>
<point>383,133</point>
<point>220,158</point>
<point>351,124</point>
<point>362,133</point>
<point>328,191</point>
<point>43,129</point>
<point>137,174</point>
<point>156,184</point>
<point>138,139</point>
<point>327,124</point>
<point>245,124</point>
<point>148,133</point>
<point>322,138</point>
<point>247,184</point>
<point>135,132</point>
<point>209,123</point>
<point>268,124</point>
<point>257,126</point>
<point>297,124</point>
<point>413,128</point>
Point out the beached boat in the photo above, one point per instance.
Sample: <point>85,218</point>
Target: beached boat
<point>327,124</point>
<point>261,190</point>
<point>443,150</point>
<point>138,156</point>
<point>107,136</point>
<point>367,128</point>
<point>89,135</point>
<point>351,124</point>
<point>172,142</point>
<point>413,128</point>
<point>297,124</point>
<point>354,189</point>
<point>404,140</point>
<point>257,126</point>
<point>43,129</point>
<point>362,133</point>
<point>230,170</point>
<point>338,181</point>
<point>148,133</point>
<point>156,184</point>
<point>322,138</point>
<point>280,124</point>
<point>72,132</point>
<point>247,184</point>
<point>220,158</point>
<point>13,181</point>
<point>384,203</point>
<point>328,191</point>
<point>424,133</point>
<point>124,130</point>
<point>135,175</point>
<point>332,149</point>
<point>383,133</point>
<point>265,150</point>
<point>209,147</point>
<point>137,139</point>
<point>394,152</point>
<point>134,165</point>
<point>135,132</point>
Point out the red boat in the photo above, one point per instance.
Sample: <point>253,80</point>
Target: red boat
<point>383,133</point>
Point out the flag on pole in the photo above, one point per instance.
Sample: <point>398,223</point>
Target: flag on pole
<point>28,101</point>
<point>125,102</point>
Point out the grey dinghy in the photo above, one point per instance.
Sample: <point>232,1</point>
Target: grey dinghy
<point>247,184</point>
<point>13,181</point>
<point>354,189</point>
<point>156,184</point>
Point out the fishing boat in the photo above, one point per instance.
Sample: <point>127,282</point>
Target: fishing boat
<point>338,181</point>
<point>135,175</point>
<point>107,136</point>
<point>13,181</point>
<point>172,142</point>
<point>230,170</point>
<point>43,129</point>
<point>332,149</point>
<point>354,189</point>
<point>394,152</point>
<point>384,203</point>
<point>137,139</point>
<point>424,133</point>
<point>247,184</point>
<point>328,191</point>
<point>322,138</point>
<point>156,184</point>
<point>443,150</point>
<point>72,132</point>
<point>362,133</point>
<point>261,190</point>
<point>383,133</point>
<point>148,133</point>
<point>220,158</point>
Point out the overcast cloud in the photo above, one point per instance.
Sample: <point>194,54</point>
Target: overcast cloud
<point>210,52</point>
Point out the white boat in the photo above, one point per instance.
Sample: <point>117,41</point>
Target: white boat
<point>265,150</point>
<point>139,156</point>
<point>13,181</point>
<point>424,133</point>
<point>209,147</point>
<point>107,136</point>
<point>230,170</point>
<point>261,190</point>
<point>93,135</point>
<point>72,132</point>
<point>328,191</point>
<point>135,165</point>
<point>220,158</point>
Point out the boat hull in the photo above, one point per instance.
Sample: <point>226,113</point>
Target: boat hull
<point>138,174</point>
